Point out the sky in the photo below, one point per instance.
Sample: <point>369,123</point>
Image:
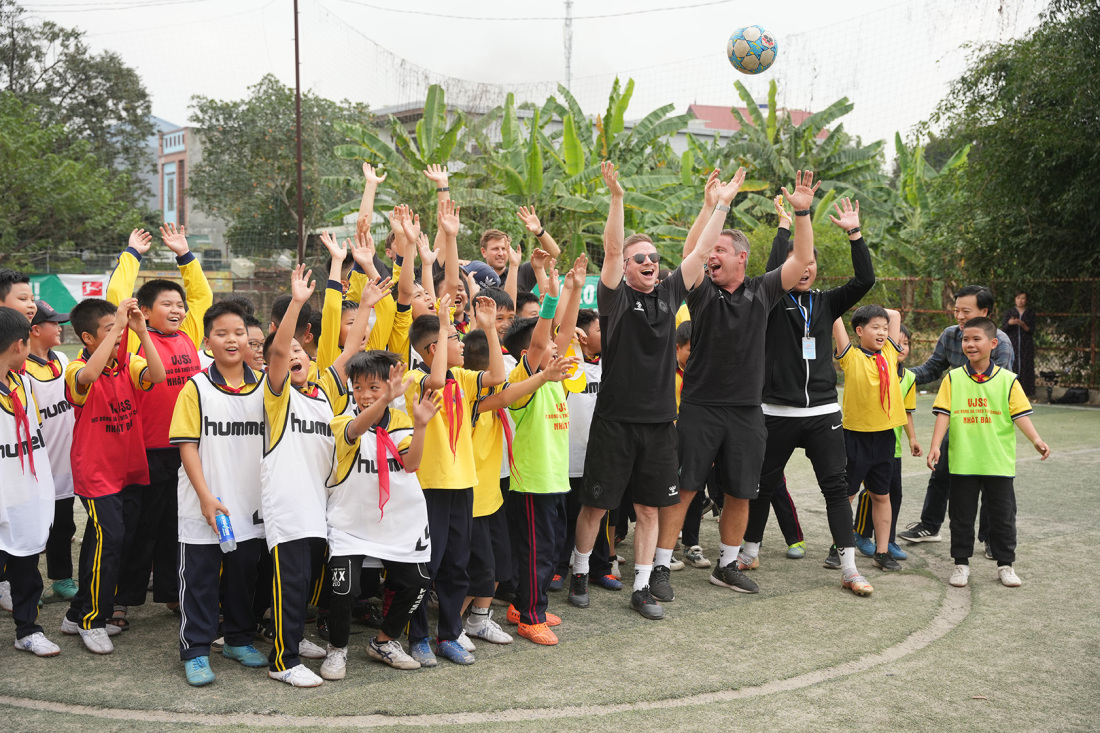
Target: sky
<point>894,59</point>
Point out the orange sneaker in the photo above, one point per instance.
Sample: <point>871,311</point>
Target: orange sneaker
<point>858,585</point>
<point>513,617</point>
<point>538,633</point>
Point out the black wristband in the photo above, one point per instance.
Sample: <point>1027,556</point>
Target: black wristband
<point>541,232</point>
<point>442,189</point>
<point>804,212</point>
<point>853,230</point>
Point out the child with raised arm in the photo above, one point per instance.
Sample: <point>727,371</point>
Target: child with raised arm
<point>872,409</point>
<point>376,509</point>
<point>27,493</point>
<point>981,402</point>
<point>104,384</point>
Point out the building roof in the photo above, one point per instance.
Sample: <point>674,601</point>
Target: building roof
<point>717,117</point>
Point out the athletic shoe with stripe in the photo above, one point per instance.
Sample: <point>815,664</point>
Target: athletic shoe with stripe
<point>695,558</point>
<point>538,633</point>
<point>513,617</point>
<point>730,577</point>
<point>38,645</point>
<point>391,653</point>
<point>608,582</point>
<point>72,628</point>
<point>420,651</point>
<point>797,551</point>
<point>832,561</point>
<point>482,626</point>
<point>745,562</point>
<point>857,584</point>
<point>335,666</point>
<point>198,671</point>
<point>454,652</point>
<point>297,676</point>
<point>308,650</point>
<point>917,532</point>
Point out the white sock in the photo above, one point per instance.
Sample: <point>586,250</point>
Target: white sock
<point>847,559</point>
<point>727,554</point>
<point>580,561</point>
<point>641,576</point>
<point>750,549</point>
<point>664,557</point>
<point>478,616</point>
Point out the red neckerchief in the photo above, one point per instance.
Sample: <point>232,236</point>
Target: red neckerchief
<point>22,424</point>
<point>883,381</point>
<point>681,373</point>
<point>462,326</point>
<point>385,445</point>
<point>508,441</point>
<point>452,398</point>
<point>311,390</point>
<point>53,367</point>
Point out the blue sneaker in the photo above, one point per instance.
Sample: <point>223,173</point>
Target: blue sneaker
<point>421,651</point>
<point>609,582</point>
<point>865,545</point>
<point>247,655</point>
<point>556,583</point>
<point>198,671</point>
<point>896,552</point>
<point>453,651</point>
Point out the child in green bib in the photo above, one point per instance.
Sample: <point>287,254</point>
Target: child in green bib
<point>979,401</point>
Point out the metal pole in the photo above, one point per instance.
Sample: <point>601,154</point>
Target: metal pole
<point>569,44</point>
<point>298,139</point>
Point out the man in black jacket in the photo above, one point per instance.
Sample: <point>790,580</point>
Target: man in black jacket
<point>800,400</point>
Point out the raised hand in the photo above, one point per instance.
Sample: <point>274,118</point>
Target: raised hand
<point>780,210</point>
<point>553,289</point>
<point>485,311</point>
<point>430,403</point>
<point>448,216</point>
<point>710,190</point>
<point>540,258</point>
<point>140,240</point>
<point>611,178</point>
<point>174,239</point>
<point>122,317</point>
<point>135,319</point>
<point>337,251</point>
<point>515,256</point>
<point>427,255</point>
<point>437,174</point>
<point>445,302</point>
<point>727,191</point>
<point>372,178</point>
<point>803,195</point>
<point>362,251</point>
<point>530,219</point>
<point>301,287</point>
<point>579,271</point>
<point>849,216</point>
<point>398,381</point>
<point>411,226</point>
<point>397,222</point>
<point>560,368</point>
<point>374,291</point>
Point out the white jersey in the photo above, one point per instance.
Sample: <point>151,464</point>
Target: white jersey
<point>505,469</point>
<point>58,418</point>
<point>581,407</point>
<point>26,502</point>
<point>296,462</point>
<point>231,446</point>
<point>356,526</point>
<point>205,359</point>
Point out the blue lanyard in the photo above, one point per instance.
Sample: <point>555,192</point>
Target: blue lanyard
<point>807,314</point>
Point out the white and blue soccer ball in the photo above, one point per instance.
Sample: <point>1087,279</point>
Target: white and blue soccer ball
<point>752,49</point>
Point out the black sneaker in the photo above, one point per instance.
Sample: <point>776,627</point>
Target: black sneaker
<point>833,560</point>
<point>730,577</point>
<point>884,561</point>
<point>322,626</point>
<point>578,590</point>
<point>367,613</point>
<point>659,584</point>
<point>644,603</point>
<point>504,593</point>
<point>917,532</point>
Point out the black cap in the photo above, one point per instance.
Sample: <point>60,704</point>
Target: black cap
<point>46,313</point>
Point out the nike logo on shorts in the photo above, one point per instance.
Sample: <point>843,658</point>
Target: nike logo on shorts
<point>836,426</point>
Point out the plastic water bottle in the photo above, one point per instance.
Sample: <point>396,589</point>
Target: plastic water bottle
<point>226,538</point>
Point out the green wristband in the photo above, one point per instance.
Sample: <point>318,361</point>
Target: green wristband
<point>549,307</point>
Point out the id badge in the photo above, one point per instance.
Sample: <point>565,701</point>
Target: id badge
<point>809,348</point>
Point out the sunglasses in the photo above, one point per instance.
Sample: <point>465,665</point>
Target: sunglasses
<point>653,257</point>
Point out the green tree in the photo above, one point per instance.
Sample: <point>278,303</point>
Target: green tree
<point>248,171</point>
<point>54,196</point>
<point>92,97</point>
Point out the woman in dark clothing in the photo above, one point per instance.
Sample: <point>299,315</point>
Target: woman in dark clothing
<point>1019,324</point>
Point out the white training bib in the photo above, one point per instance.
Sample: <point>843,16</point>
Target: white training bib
<point>293,471</point>
<point>231,446</point>
<point>582,405</point>
<point>58,418</point>
<point>26,502</point>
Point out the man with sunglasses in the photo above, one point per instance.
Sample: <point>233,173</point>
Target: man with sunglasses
<point>633,434</point>
<point>721,423</point>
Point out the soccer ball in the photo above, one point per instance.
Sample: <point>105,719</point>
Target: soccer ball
<point>751,49</point>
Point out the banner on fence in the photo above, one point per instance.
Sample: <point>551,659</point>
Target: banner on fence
<point>62,292</point>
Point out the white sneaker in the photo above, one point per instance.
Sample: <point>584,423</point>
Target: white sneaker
<point>1008,576</point>
<point>300,676</point>
<point>465,642</point>
<point>308,650</point>
<point>218,644</point>
<point>97,641</point>
<point>336,662</point>
<point>961,576</point>
<point>486,628</point>
<point>72,628</point>
<point>615,569</point>
<point>38,644</point>
<point>675,564</point>
<point>5,595</point>
<point>392,654</point>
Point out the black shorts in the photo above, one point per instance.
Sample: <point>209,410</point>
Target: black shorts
<point>870,460</point>
<point>641,454</point>
<point>731,438</point>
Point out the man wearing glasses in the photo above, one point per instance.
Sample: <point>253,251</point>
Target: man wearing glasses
<point>633,435</point>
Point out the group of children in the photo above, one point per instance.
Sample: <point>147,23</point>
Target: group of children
<point>431,431</point>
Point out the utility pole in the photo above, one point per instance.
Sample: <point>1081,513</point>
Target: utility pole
<point>568,33</point>
<point>298,139</point>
